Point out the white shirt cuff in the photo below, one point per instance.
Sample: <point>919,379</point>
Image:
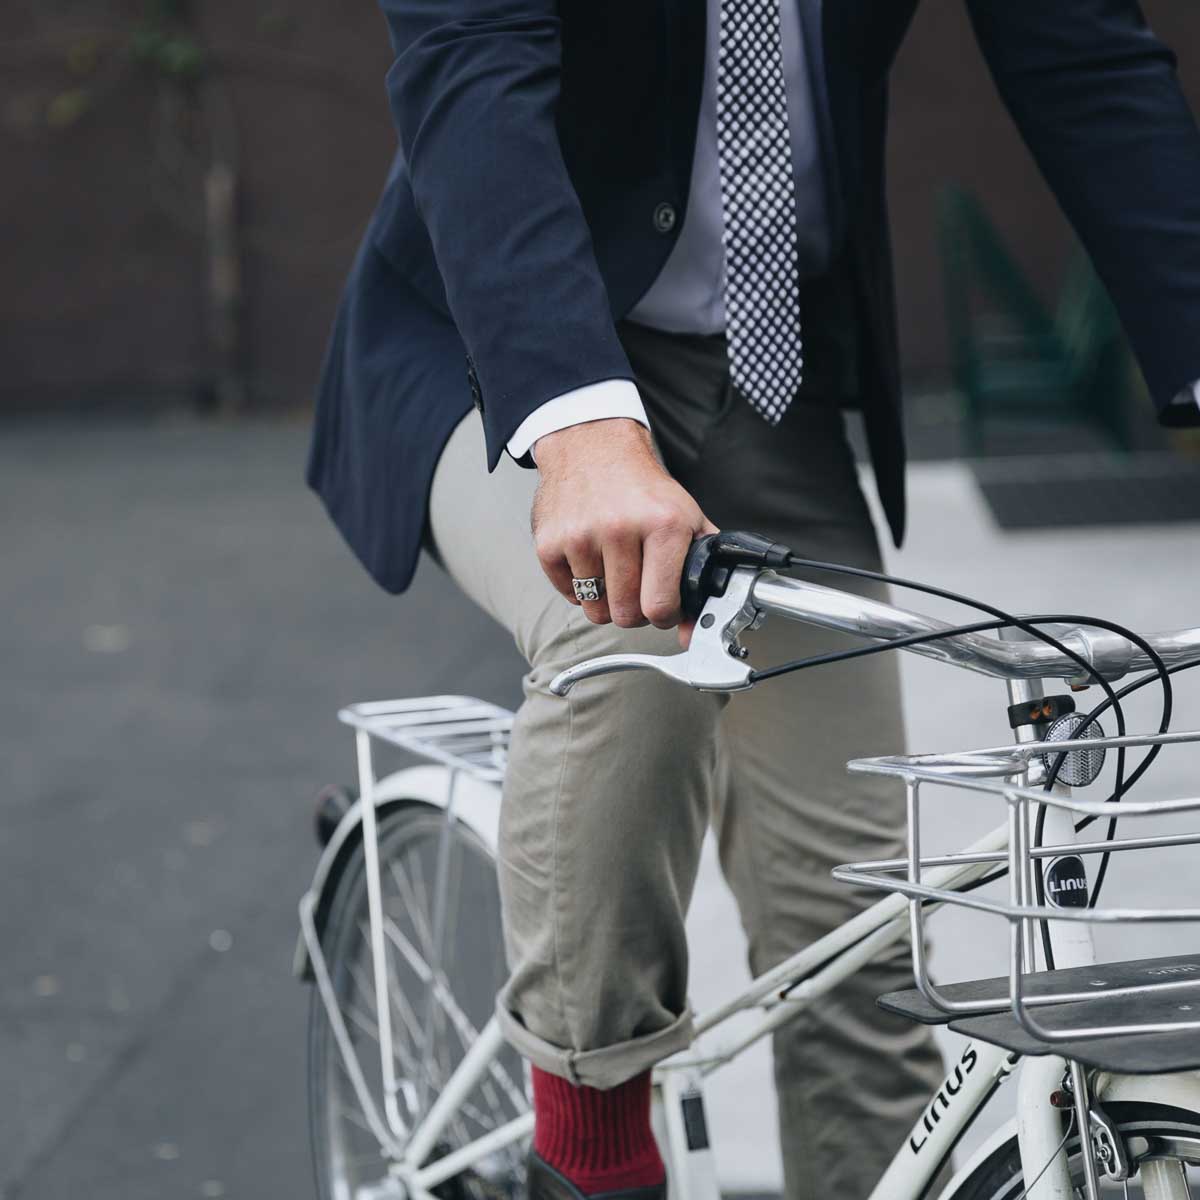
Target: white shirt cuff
<point>1196,391</point>
<point>595,402</point>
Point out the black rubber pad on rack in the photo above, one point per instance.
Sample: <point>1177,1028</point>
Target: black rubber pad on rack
<point>1142,973</point>
<point>1126,1054</point>
<point>1151,990</point>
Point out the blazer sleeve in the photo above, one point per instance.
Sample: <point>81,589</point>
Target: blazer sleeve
<point>1097,99</point>
<point>474,94</point>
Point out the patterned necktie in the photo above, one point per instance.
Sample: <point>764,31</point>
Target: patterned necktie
<point>762,308</point>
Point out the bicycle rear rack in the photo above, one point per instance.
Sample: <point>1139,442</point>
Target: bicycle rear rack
<point>1134,1017</point>
<point>469,737</point>
<point>457,731</point>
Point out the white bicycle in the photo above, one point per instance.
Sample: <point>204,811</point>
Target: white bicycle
<point>413,1093</point>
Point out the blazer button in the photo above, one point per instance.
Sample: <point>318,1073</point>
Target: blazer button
<point>665,217</point>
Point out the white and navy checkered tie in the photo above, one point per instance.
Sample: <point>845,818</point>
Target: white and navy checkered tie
<point>762,307</point>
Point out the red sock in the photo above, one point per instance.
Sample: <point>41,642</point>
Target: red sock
<point>601,1141</point>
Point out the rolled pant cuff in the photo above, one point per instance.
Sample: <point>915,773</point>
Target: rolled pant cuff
<point>603,1068</point>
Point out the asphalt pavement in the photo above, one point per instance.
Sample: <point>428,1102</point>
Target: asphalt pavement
<point>180,625</point>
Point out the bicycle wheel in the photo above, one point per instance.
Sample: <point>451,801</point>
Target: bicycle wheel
<point>1152,1133</point>
<point>435,1011</point>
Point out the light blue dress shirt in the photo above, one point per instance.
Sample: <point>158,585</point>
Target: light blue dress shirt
<point>688,295</point>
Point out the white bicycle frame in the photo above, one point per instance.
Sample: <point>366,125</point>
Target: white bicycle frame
<point>778,995</point>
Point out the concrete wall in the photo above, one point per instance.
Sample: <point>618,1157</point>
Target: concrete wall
<point>104,248</point>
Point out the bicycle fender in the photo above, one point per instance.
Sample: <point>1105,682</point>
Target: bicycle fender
<point>476,804</point>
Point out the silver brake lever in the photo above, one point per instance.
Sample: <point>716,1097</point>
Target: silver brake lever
<point>715,660</point>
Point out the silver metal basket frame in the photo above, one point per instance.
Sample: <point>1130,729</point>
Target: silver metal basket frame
<point>993,772</point>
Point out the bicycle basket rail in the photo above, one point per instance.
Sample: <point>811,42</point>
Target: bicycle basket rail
<point>1135,1017</point>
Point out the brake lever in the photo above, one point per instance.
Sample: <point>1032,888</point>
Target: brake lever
<point>713,662</point>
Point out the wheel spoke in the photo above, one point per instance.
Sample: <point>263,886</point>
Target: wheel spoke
<point>355,1118</point>
<point>399,1000</point>
<point>368,1025</point>
<point>442,972</point>
<point>450,899</point>
<point>419,910</point>
<point>441,883</point>
<point>460,1022</point>
<point>416,912</point>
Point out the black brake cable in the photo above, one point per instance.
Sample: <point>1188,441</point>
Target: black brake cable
<point>1029,626</point>
<point>1128,690</point>
<point>1160,674</point>
<point>1139,771</point>
<point>1135,776</point>
<point>1029,623</point>
<point>1112,701</point>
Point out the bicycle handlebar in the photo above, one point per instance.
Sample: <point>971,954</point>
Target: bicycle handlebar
<point>728,581</point>
<point>1109,654</point>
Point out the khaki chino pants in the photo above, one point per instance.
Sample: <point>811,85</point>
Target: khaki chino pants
<point>609,791</point>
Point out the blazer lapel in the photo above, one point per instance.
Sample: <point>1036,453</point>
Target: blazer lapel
<point>831,100</point>
<point>684,23</point>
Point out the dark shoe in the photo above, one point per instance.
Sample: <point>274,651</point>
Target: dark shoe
<point>545,1183</point>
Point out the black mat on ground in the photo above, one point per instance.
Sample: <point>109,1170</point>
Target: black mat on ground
<point>1180,972</point>
<point>1047,491</point>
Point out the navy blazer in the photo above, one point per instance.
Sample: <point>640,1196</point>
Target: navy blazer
<point>540,139</point>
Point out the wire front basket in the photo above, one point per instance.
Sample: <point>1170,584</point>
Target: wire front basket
<point>1132,1016</point>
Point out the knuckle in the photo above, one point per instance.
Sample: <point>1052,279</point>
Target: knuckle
<point>548,549</point>
<point>623,604</point>
<point>660,610</point>
<point>612,528</point>
<point>576,542</point>
<point>669,523</point>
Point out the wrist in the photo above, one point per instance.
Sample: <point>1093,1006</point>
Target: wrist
<point>609,435</point>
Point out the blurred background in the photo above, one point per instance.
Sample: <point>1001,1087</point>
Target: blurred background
<point>184,186</point>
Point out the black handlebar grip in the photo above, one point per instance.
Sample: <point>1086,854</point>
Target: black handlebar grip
<point>697,575</point>
<point>712,557</point>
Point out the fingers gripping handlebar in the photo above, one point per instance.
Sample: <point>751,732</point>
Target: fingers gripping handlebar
<point>713,662</point>
<point>718,575</point>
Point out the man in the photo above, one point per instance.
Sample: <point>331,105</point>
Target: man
<point>648,239</point>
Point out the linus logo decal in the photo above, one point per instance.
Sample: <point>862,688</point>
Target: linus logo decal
<point>950,1088</point>
<point>1067,882</point>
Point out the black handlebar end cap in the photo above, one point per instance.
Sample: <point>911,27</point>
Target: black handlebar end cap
<point>698,582</point>
<point>712,557</point>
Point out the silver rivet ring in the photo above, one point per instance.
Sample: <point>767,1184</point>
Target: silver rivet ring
<point>588,589</point>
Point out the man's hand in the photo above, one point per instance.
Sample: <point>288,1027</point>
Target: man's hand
<point>605,506</point>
